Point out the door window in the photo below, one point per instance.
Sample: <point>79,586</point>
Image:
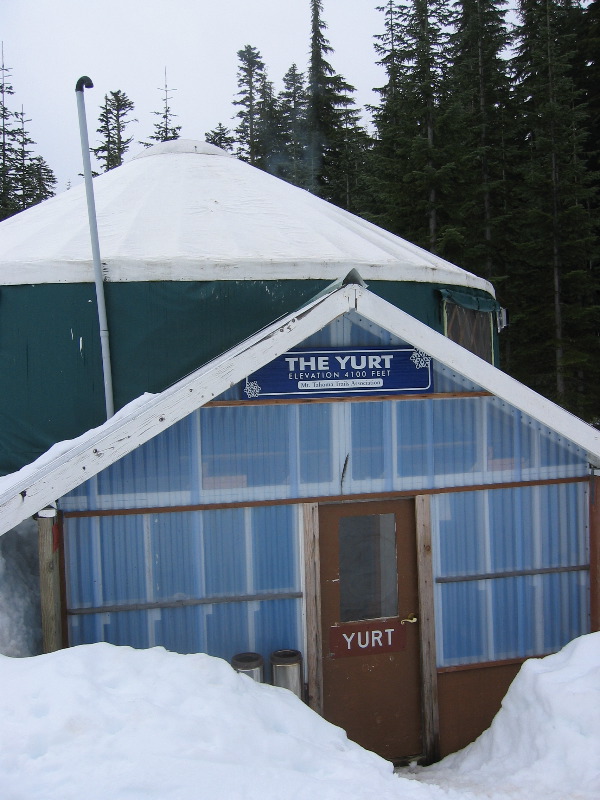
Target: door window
<point>368,574</point>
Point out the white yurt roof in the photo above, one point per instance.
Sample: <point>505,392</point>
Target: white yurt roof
<point>188,211</point>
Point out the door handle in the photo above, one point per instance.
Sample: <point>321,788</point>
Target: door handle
<point>412,617</point>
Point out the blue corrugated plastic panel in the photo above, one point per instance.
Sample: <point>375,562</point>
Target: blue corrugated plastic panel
<point>493,549</point>
<point>220,629</point>
<point>153,559</point>
<point>180,556</point>
<point>106,559</point>
<point>269,452</point>
<point>447,380</point>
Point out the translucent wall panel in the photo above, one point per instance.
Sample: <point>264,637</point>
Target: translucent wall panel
<point>106,559</point>
<point>512,571</point>
<point>492,620</point>
<point>414,440</point>
<point>461,539</point>
<point>127,628</point>
<point>245,446</point>
<point>315,444</point>
<point>190,581</point>
<point>271,452</point>
<point>163,465</point>
<point>370,432</point>
<point>456,436</point>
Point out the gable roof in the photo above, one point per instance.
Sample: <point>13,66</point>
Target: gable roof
<point>69,464</point>
<point>188,211</point>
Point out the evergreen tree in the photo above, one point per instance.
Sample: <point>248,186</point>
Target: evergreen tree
<point>33,181</point>
<point>553,286</point>
<point>25,178</point>
<point>251,85</point>
<point>387,172</point>
<point>8,135</point>
<point>269,130</point>
<point>329,101</point>
<point>346,162</point>
<point>411,165</point>
<point>113,121</point>
<point>221,137</point>
<point>164,130</point>
<point>587,79</point>
<point>476,126</point>
<point>292,114</point>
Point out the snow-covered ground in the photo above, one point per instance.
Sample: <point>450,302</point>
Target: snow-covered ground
<point>99,722</point>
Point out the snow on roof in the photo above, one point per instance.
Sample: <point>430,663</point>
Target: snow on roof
<point>69,464</point>
<point>186,210</point>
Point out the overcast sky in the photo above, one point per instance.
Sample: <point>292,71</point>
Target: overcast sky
<point>127,44</point>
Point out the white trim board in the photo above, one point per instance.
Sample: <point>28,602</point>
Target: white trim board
<point>69,464</point>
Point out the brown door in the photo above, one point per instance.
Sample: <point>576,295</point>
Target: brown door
<point>369,595</point>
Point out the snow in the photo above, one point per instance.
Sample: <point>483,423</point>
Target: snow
<point>176,212</point>
<point>13,483</point>
<point>100,721</point>
<point>20,617</point>
<point>545,740</point>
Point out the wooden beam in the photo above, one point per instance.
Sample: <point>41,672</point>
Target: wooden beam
<point>322,500</point>
<point>595,552</point>
<point>431,727</point>
<point>50,585</point>
<point>367,398</point>
<point>312,584</point>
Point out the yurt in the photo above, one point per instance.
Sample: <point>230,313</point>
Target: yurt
<point>199,250</point>
<point>317,468</point>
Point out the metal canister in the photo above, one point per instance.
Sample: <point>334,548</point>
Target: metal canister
<point>287,670</point>
<point>250,664</point>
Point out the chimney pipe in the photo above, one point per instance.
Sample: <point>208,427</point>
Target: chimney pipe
<point>85,83</point>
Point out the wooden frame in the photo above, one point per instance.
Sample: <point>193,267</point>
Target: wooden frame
<point>312,602</point>
<point>431,727</point>
<point>369,398</point>
<point>338,498</point>
<point>50,583</point>
<point>594,533</point>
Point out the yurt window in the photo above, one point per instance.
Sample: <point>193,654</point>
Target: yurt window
<point>469,321</point>
<point>471,329</point>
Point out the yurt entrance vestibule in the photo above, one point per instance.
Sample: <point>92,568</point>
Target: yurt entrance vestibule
<point>415,547</point>
<point>349,481</point>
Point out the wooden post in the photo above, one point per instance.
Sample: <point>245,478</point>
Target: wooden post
<point>50,595</point>
<point>594,552</point>
<point>312,601</point>
<point>431,726</point>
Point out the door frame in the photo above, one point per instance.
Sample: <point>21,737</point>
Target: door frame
<point>314,659</point>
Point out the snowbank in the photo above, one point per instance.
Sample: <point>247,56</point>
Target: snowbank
<point>545,740</point>
<point>100,722</point>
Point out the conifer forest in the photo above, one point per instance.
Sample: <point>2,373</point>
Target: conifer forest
<point>483,148</point>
